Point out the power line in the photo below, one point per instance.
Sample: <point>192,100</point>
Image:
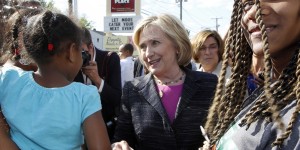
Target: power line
<point>193,18</point>
<point>146,10</point>
<point>165,2</point>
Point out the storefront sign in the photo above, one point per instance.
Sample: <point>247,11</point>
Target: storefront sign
<point>113,42</point>
<point>122,5</point>
<point>120,24</point>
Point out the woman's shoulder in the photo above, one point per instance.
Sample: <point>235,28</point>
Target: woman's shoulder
<point>139,83</point>
<point>141,79</point>
<point>199,75</point>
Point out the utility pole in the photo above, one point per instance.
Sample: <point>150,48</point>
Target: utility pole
<point>180,6</point>
<point>75,8</point>
<point>217,25</point>
<point>70,3</point>
<point>180,9</point>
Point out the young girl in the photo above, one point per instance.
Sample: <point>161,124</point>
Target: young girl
<point>45,109</point>
<point>268,118</point>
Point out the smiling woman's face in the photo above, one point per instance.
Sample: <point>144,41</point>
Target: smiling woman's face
<point>282,21</point>
<point>158,51</point>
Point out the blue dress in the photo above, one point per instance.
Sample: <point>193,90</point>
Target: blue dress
<point>45,118</point>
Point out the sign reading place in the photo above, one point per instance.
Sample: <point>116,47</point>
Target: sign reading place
<point>120,24</point>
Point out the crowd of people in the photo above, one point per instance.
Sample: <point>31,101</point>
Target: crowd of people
<point>58,91</point>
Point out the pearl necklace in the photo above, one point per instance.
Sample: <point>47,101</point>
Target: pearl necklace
<point>160,92</point>
<point>170,82</point>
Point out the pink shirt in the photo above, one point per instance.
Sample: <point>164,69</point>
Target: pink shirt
<point>170,96</point>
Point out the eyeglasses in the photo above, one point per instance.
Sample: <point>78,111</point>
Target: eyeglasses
<point>210,47</point>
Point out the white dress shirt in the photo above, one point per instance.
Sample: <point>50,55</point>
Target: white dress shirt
<point>127,67</point>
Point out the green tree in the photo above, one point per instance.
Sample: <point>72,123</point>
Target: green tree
<point>86,23</point>
<point>49,5</point>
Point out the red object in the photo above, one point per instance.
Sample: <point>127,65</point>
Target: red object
<point>17,52</point>
<point>122,5</point>
<point>50,47</point>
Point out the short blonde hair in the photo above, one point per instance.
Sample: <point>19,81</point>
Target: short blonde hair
<point>199,39</point>
<point>173,29</point>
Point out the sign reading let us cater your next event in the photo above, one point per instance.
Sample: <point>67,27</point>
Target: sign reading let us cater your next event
<point>120,24</point>
<point>122,5</point>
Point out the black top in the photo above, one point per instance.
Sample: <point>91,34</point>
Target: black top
<point>144,123</point>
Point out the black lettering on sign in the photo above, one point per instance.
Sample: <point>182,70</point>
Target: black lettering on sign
<point>114,19</point>
<point>127,28</point>
<point>114,28</point>
<point>126,19</point>
<point>114,24</point>
<point>112,41</point>
<point>127,23</point>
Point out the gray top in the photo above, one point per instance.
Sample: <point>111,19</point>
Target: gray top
<point>260,134</point>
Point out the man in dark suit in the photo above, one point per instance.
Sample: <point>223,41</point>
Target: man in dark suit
<point>138,69</point>
<point>104,72</point>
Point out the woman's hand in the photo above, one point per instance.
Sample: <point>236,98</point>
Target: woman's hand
<point>123,145</point>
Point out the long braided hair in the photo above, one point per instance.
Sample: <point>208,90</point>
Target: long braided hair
<point>12,48</point>
<point>228,100</point>
<point>48,34</point>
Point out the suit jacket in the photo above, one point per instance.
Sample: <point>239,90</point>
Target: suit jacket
<point>138,68</point>
<point>111,92</point>
<point>144,123</point>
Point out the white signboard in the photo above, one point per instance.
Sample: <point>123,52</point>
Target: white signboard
<point>120,24</point>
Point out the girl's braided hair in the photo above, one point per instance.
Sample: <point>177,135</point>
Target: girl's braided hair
<point>227,101</point>
<point>48,34</point>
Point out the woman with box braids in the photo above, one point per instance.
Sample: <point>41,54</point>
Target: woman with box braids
<point>14,56</point>
<point>268,118</point>
<point>13,50</point>
<point>53,112</point>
